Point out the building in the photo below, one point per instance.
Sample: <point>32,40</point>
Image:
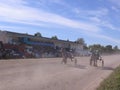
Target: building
<point>30,43</point>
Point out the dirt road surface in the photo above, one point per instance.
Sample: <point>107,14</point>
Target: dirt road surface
<point>50,74</point>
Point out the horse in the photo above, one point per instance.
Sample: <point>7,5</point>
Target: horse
<point>94,58</point>
<point>67,55</point>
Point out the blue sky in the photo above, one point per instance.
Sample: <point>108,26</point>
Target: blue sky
<point>97,21</point>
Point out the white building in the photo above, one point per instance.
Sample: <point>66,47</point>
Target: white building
<point>15,38</point>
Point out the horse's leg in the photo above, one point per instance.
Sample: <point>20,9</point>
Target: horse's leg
<point>91,61</point>
<point>65,61</point>
<point>96,62</point>
<point>75,61</point>
<point>102,63</point>
<point>62,61</point>
<point>71,59</point>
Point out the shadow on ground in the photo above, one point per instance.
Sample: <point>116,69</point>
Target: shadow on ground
<point>78,66</point>
<point>107,68</point>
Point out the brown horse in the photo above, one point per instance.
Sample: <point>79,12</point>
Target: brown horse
<point>67,55</point>
<point>94,58</point>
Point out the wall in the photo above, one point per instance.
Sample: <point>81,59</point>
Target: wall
<point>3,37</point>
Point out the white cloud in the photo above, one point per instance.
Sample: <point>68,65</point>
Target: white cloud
<point>104,38</point>
<point>115,9</point>
<point>116,2</point>
<point>109,39</point>
<point>6,27</point>
<point>3,27</point>
<point>104,23</point>
<point>95,19</point>
<point>16,11</point>
<point>108,25</point>
<point>29,15</point>
<point>94,13</point>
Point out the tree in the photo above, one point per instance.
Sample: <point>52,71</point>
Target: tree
<point>68,40</point>
<point>116,48</point>
<point>95,47</point>
<point>85,47</point>
<point>109,49</point>
<point>54,37</point>
<point>80,41</point>
<point>104,49</point>
<point>38,34</point>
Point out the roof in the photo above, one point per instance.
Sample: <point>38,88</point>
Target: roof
<point>36,37</point>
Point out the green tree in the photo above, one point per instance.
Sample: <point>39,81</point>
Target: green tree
<point>38,34</point>
<point>80,41</point>
<point>68,40</point>
<point>95,47</point>
<point>108,49</point>
<point>54,37</point>
<point>85,47</point>
<point>116,48</point>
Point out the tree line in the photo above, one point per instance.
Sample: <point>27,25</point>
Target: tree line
<point>103,49</point>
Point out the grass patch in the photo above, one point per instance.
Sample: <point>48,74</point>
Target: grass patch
<point>112,82</point>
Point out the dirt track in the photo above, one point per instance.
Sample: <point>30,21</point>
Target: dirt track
<point>50,74</point>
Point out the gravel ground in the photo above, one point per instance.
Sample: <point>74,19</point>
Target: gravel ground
<point>50,74</point>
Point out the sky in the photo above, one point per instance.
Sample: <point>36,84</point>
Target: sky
<point>96,21</point>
